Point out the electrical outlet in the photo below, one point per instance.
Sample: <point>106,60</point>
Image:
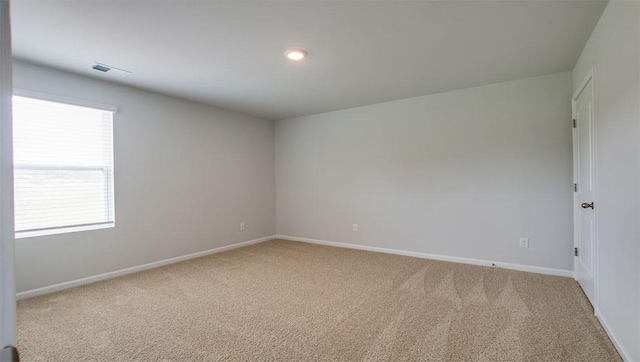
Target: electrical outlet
<point>524,242</point>
<point>355,227</point>
<point>242,228</point>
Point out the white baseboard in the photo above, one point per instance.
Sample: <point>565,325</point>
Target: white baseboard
<point>454,259</point>
<point>607,328</point>
<point>117,273</point>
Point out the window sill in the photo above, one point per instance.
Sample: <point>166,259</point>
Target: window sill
<point>64,230</point>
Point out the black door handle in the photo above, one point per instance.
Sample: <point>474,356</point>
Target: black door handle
<point>584,205</point>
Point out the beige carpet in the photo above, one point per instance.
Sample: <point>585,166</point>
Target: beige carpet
<point>283,300</point>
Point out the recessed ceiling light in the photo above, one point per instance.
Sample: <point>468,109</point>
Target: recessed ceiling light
<point>295,54</point>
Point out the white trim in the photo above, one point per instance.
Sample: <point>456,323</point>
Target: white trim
<point>583,84</point>
<point>603,321</point>
<point>135,269</point>
<point>7,242</point>
<point>454,259</point>
<point>62,99</point>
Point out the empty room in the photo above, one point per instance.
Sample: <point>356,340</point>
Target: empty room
<point>320,180</point>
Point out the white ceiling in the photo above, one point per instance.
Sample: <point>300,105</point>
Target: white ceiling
<point>230,54</point>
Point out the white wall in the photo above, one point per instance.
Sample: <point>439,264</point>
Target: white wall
<point>613,50</point>
<point>463,174</point>
<point>186,176</point>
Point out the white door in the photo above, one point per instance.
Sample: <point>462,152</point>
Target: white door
<point>584,195</point>
<point>7,284</point>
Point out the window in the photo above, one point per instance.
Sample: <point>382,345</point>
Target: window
<point>63,167</point>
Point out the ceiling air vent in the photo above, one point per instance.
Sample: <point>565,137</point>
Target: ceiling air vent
<point>116,72</point>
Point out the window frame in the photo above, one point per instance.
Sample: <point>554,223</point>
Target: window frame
<point>82,103</point>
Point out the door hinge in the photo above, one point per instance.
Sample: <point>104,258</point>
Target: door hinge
<point>574,123</point>
<point>575,251</point>
<point>575,187</point>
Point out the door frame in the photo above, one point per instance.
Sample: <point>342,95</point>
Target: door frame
<point>589,77</point>
<point>7,236</point>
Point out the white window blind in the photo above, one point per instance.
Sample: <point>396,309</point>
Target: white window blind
<point>63,166</point>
